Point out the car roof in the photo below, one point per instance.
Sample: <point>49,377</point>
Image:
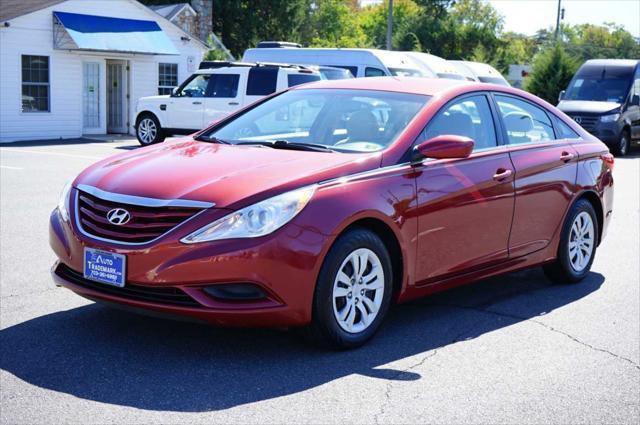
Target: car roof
<point>414,85</point>
<point>612,62</point>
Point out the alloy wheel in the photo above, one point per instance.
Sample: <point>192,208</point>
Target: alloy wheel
<point>624,145</point>
<point>358,290</point>
<point>147,130</point>
<point>581,241</point>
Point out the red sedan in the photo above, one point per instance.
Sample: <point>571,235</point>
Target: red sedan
<point>320,206</point>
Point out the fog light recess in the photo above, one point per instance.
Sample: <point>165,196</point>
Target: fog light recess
<point>236,292</point>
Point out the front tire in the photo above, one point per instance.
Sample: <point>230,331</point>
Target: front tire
<point>622,148</point>
<point>353,291</point>
<point>148,130</point>
<point>577,247</point>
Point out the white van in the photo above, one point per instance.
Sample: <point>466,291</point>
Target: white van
<point>360,62</point>
<point>434,66</point>
<point>481,72</point>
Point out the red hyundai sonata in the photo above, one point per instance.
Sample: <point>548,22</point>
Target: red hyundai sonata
<point>321,205</point>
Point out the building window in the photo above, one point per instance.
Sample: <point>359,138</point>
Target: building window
<point>167,77</point>
<point>35,83</point>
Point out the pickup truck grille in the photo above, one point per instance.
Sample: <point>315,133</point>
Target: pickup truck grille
<point>145,223</point>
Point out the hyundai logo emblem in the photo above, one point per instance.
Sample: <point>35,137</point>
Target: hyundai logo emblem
<point>118,216</point>
<point>578,120</point>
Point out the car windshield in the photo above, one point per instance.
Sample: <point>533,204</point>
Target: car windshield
<point>340,120</point>
<point>604,86</point>
<point>493,80</point>
<point>451,76</point>
<point>406,72</point>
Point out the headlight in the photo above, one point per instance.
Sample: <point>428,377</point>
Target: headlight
<point>255,220</point>
<point>609,118</point>
<point>63,202</point>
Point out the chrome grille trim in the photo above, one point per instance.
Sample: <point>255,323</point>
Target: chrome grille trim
<point>75,198</point>
<point>142,201</point>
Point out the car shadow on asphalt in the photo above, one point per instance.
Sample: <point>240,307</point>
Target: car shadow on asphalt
<point>96,353</point>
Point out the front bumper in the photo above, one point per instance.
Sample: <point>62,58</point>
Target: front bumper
<point>168,278</point>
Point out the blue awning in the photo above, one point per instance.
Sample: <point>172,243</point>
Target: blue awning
<point>101,33</point>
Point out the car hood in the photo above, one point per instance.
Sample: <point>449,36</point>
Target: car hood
<point>228,176</point>
<point>586,106</point>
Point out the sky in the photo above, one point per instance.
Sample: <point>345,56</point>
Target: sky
<point>527,16</point>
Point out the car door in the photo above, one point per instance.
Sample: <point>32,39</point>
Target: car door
<point>634,107</point>
<point>185,109</point>
<point>464,206</point>
<point>545,173</point>
<point>223,96</point>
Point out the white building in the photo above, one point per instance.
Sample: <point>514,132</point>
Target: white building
<point>77,67</point>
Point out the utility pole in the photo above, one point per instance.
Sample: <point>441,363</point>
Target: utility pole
<point>389,24</point>
<point>558,20</point>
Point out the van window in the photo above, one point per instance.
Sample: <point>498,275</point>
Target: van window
<point>297,79</point>
<point>223,85</point>
<point>352,69</point>
<point>604,84</point>
<point>262,81</point>
<point>373,72</point>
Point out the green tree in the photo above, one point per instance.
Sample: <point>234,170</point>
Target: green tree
<point>552,70</point>
<point>334,24</point>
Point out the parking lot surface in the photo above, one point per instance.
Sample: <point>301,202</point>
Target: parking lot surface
<point>512,349</point>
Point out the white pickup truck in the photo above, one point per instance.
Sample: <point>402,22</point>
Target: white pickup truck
<point>212,92</point>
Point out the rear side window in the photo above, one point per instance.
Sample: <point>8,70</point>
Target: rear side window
<point>565,132</point>
<point>374,72</point>
<point>468,117</point>
<point>524,122</point>
<point>262,81</point>
<point>297,79</point>
<point>223,85</point>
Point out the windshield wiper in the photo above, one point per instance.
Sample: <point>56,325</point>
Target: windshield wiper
<point>285,144</point>
<point>211,139</point>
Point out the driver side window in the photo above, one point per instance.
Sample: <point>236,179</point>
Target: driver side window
<point>197,87</point>
<point>468,117</point>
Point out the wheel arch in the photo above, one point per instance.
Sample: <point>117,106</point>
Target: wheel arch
<point>593,198</point>
<point>146,112</point>
<point>391,242</point>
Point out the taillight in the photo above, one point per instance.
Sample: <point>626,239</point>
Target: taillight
<point>608,160</point>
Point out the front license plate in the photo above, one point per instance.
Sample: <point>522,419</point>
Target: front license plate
<point>105,267</point>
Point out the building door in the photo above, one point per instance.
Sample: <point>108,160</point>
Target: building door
<point>117,96</point>
<point>90,95</point>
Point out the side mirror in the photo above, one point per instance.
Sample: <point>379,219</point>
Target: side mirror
<point>445,146</point>
<point>561,95</point>
<point>635,100</point>
<point>174,92</point>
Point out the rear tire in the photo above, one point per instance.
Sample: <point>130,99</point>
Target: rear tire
<point>353,291</point>
<point>622,148</point>
<point>578,243</point>
<point>148,130</point>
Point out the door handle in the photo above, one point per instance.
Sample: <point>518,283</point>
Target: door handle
<point>233,103</point>
<point>196,103</point>
<point>501,174</point>
<point>566,156</point>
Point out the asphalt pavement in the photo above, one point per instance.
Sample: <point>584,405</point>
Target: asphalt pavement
<point>512,349</point>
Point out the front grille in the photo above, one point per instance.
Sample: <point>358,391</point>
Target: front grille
<point>161,295</point>
<point>587,122</point>
<point>145,224</point>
